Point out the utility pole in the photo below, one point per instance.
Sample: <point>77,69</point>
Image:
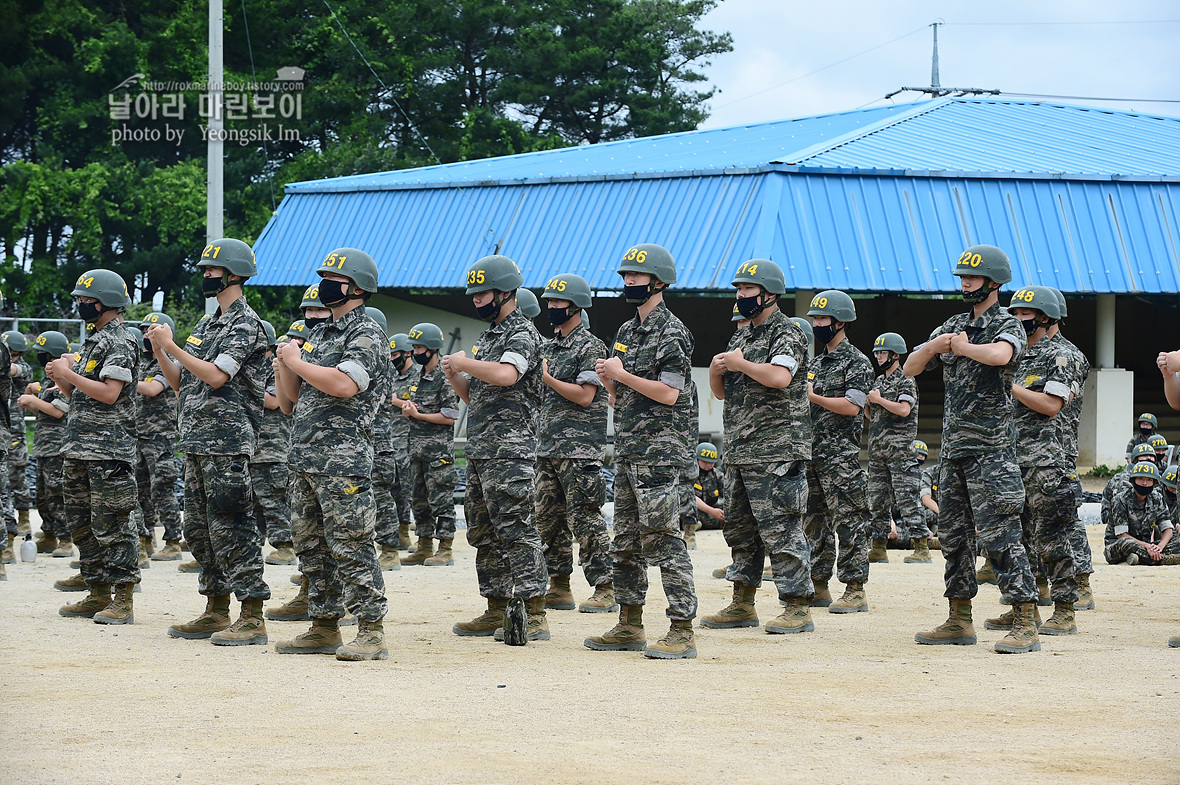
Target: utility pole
<point>934,85</point>
<point>936,90</point>
<point>215,185</point>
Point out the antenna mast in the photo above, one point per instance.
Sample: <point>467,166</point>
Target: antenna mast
<point>936,90</point>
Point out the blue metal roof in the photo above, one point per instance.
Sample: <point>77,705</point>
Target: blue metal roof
<point>846,209</point>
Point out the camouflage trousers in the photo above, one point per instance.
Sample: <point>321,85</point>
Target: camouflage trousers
<point>144,514</point>
<point>219,527</point>
<point>1047,523</point>
<point>402,485</point>
<point>764,514</point>
<point>569,498</point>
<point>384,483</point>
<point>647,531</point>
<point>98,499</point>
<point>50,502</point>
<point>983,493</point>
<point>930,521</point>
<point>1083,557</point>
<point>1118,551</point>
<point>7,513</point>
<point>333,519</point>
<point>432,493</point>
<point>895,483</point>
<point>157,459</point>
<point>688,503</point>
<point>272,512</point>
<point>18,481</point>
<point>836,509</point>
<point>509,557</point>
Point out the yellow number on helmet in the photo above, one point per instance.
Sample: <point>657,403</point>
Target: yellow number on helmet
<point>753,269</point>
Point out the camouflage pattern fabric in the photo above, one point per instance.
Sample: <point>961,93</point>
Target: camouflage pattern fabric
<point>841,373</point>
<point>1117,552</point>
<point>658,348</point>
<point>688,498</point>
<point>509,557</point>
<point>895,483</point>
<point>709,487</point>
<point>432,491</point>
<point>98,496</point>
<point>837,510</point>
<point>765,505</point>
<point>402,384</point>
<point>1118,482</point>
<point>1047,522</point>
<point>270,483</point>
<point>1045,368</point>
<point>1138,438</point>
<point>569,498</point>
<point>891,437</point>
<point>1142,520</point>
<point>49,433</point>
<point>384,483</point>
<point>224,421</point>
<point>219,526</point>
<point>564,428</point>
<point>687,415</point>
<point>647,532</point>
<point>433,395</point>
<point>333,520</point>
<point>1071,415</point>
<point>157,414</point>
<point>273,444</point>
<point>18,453</point>
<point>98,431</point>
<point>157,459</point>
<point>50,502</point>
<point>929,487</point>
<point>6,510</point>
<point>500,420</point>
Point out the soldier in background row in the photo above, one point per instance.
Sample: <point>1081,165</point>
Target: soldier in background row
<point>403,380</point>
<point>157,441</point>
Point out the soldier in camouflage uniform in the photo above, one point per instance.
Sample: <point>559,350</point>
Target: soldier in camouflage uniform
<point>1139,528</point>
<point>270,476</point>
<point>385,462</point>
<point>50,434</point>
<point>928,488</point>
<point>1044,380</point>
<point>335,384</point>
<point>981,488</point>
<point>6,420</point>
<point>430,415</point>
<point>98,474</point>
<point>690,422</point>
<point>1170,480</point>
<point>894,475</point>
<point>220,375</point>
<point>18,453</point>
<point>709,489</point>
<point>1147,425</point>
<point>403,380</point>
<point>840,379</point>
<point>571,446</point>
<point>647,378</point>
<point>501,384</point>
<point>761,378</point>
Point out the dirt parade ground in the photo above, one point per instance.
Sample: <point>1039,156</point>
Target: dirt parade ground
<point>854,702</point>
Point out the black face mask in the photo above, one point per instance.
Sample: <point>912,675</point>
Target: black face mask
<point>749,307</point>
<point>1146,431</point>
<point>211,286</point>
<point>310,322</point>
<point>637,295</point>
<point>560,315</point>
<point>1030,326</point>
<point>333,293</point>
<point>1170,494</point>
<point>977,296</point>
<point>399,362</point>
<point>44,359</point>
<point>824,335</point>
<point>921,459</point>
<point>704,470</point>
<point>422,357</point>
<point>1144,492</point>
<point>89,311</point>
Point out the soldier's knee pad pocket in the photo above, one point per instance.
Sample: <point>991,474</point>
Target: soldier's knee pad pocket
<point>229,490</point>
<point>116,488</point>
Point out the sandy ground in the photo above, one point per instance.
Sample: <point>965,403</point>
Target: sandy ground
<point>856,701</point>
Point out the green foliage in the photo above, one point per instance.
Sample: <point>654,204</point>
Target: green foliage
<point>1102,470</point>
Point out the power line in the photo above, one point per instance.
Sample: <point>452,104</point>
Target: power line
<point>1034,24</point>
<point>254,77</point>
<point>1095,98</point>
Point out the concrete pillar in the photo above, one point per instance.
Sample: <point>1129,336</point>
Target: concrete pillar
<point>803,301</point>
<point>1104,337</point>
<point>1107,411</point>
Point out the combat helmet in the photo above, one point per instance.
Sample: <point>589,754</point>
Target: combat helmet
<point>651,259</point>
<point>567,286</point>
<point>400,342</point>
<point>833,303</point>
<point>986,260</point>
<point>890,342</point>
<point>103,285</point>
<point>378,316</point>
<point>527,302</point>
<point>16,341</point>
<point>426,334</point>
<point>494,273</point>
<point>52,343</point>
<point>354,264</point>
<point>707,451</point>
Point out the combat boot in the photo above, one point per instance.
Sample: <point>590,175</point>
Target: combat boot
<point>1022,638</point>
<point>1085,594</point>
<point>423,551</point>
<point>921,554</point>
<point>1004,620</point>
<point>404,541</point>
<point>627,635</point>
<point>189,566</point>
<point>145,556</point>
<point>1043,596</point>
<point>214,619</point>
<point>8,556</point>
<point>369,643</point>
<point>322,638</point>
<point>121,610</point>
<point>721,572</point>
<point>389,559</point>
<point>1169,560</point>
<point>97,600</point>
<point>822,597</point>
<point>957,630</point>
<point>877,553</point>
<point>282,554</point>
<point>47,544</point>
<point>442,557</point>
<point>560,598</point>
<point>1061,622</point>
<point>853,601</point>
<point>537,628</point>
<point>22,522</point>
<point>933,543</point>
<point>985,574</point>
<point>602,601</point>
<point>76,583</point>
<point>296,578</point>
<point>486,623</point>
<point>170,552</point>
<point>64,549</point>
<point>249,629</point>
<point>739,613</point>
<point>796,617</point>
<point>1174,642</point>
<point>296,609</point>
<point>678,644</point>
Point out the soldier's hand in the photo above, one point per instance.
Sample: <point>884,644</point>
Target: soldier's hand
<point>717,513</point>
<point>409,409</point>
<point>545,370</point>
<point>611,368</point>
<point>450,367</point>
<point>32,388</point>
<point>287,353</point>
<point>59,366</point>
<point>717,365</point>
<point>958,342</point>
<point>26,401</point>
<point>940,344</point>
<point>159,334</point>
<point>874,396</point>
<point>1174,361</point>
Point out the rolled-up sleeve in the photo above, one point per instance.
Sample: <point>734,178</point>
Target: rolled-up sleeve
<point>61,404</point>
<point>118,372</point>
<point>858,397</point>
<point>588,377</point>
<point>447,411</point>
<point>785,361</point>
<point>1058,390</point>
<point>227,364</point>
<point>516,360</point>
<point>673,380</point>
<point>355,371</point>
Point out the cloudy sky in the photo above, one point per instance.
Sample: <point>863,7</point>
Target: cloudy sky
<point>1089,48</point>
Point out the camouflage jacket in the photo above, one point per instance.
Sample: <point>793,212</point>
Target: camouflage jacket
<point>18,382</point>
<point>1072,412</point>
<point>892,437</point>
<point>273,444</point>
<point>659,348</point>
<point>977,404</point>
<point>565,429</point>
<point>97,431</point>
<point>930,480</point>
<point>501,420</point>
<point>50,433</point>
<point>1144,522</point>
<point>331,435</point>
<point>763,423</point>
<point>1046,368</point>
<point>156,415</point>
<point>387,413</point>
<point>688,416</point>
<point>6,387</point>
<point>1137,439</point>
<point>843,373</point>
<point>433,395</point>
<point>402,385</point>
<point>224,421</point>
<point>710,486</point>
